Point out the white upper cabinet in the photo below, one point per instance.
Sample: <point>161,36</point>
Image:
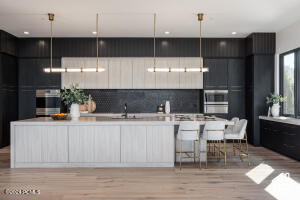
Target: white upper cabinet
<point>68,78</point>
<point>126,73</point>
<point>149,76</point>
<point>114,73</point>
<point>161,78</point>
<point>166,79</point>
<point>191,80</point>
<point>94,80</point>
<point>138,73</point>
<point>131,73</point>
<point>173,78</point>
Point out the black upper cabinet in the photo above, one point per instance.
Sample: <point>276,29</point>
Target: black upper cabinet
<point>8,43</point>
<point>132,47</point>
<point>236,73</point>
<point>217,77</point>
<point>8,71</point>
<point>35,66</point>
<point>261,44</point>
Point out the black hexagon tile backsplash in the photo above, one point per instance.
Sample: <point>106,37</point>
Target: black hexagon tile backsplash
<point>146,100</point>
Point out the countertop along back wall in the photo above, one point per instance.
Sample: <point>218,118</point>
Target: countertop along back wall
<point>34,56</point>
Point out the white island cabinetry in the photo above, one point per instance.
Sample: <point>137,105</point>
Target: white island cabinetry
<point>55,144</point>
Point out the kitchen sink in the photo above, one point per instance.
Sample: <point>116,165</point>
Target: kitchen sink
<point>128,117</point>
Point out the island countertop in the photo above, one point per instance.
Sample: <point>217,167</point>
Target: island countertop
<point>153,120</point>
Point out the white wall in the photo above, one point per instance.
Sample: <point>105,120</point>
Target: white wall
<point>286,39</point>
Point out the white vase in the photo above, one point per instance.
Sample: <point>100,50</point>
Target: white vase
<point>167,107</point>
<point>275,110</point>
<point>74,111</point>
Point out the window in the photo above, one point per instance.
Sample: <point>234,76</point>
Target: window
<point>288,83</point>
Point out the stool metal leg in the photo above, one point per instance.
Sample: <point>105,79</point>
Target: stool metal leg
<point>219,150</point>
<point>247,149</point>
<point>180,152</point>
<point>175,149</point>
<point>194,143</point>
<point>206,154</point>
<point>199,153</point>
<point>233,147</point>
<point>225,162</point>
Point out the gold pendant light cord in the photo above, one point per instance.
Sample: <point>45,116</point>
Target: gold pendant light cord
<point>154,38</point>
<point>200,47</point>
<point>97,43</point>
<point>51,31</point>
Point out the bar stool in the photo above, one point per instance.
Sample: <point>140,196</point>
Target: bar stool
<point>239,133</point>
<point>229,128</point>
<point>188,131</point>
<point>214,134</point>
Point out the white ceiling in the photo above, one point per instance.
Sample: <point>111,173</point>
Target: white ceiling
<point>134,18</point>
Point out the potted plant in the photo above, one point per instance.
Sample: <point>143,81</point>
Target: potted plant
<point>274,100</point>
<point>72,98</point>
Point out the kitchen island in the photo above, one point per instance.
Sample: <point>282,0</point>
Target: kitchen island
<point>95,142</point>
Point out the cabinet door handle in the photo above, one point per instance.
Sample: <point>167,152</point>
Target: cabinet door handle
<point>289,134</point>
<point>289,146</point>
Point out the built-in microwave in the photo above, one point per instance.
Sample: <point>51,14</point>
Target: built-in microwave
<point>215,101</point>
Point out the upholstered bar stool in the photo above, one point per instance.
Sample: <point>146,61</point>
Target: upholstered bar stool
<point>229,128</point>
<point>213,133</point>
<point>238,133</point>
<point>188,131</point>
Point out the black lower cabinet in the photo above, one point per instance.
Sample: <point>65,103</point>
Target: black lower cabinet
<point>281,137</point>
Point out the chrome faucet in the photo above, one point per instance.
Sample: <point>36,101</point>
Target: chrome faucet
<point>125,115</point>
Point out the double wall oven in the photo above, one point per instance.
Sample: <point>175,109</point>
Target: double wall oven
<point>47,102</point>
<point>216,101</point>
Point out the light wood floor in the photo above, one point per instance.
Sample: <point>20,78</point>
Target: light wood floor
<point>149,183</point>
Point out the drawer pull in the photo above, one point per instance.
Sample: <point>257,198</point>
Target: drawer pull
<point>289,134</point>
<point>289,146</point>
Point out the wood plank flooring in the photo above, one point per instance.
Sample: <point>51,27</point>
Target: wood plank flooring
<point>213,183</point>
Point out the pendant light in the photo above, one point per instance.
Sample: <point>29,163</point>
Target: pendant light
<point>72,69</point>
<point>199,68</point>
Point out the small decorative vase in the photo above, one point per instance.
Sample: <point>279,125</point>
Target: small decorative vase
<point>167,107</point>
<point>275,110</point>
<point>74,111</point>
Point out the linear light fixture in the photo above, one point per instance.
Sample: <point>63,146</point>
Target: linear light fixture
<point>199,68</point>
<point>72,69</point>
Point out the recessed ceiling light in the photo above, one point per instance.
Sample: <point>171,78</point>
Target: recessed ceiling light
<point>26,32</point>
<point>167,32</point>
<point>94,32</point>
<point>233,33</point>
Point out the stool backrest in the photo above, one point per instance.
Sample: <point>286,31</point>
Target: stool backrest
<point>214,130</point>
<point>235,119</point>
<point>188,130</point>
<point>240,128</point>
<point>231,127</point>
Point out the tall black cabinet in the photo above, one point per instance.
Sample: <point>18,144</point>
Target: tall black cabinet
<point>236,88</point>
<point>8,85</point>
<point>260,51</point>
<point>227,74</point>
